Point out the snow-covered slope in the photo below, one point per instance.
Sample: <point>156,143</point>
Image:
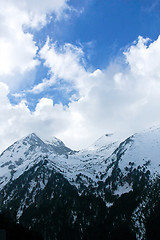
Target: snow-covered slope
<point>33,171</point>
<point>141,149</point>
<point>105,142</point>
<point>91,164</point>
<point>23,154</point>
<point>28,164</point>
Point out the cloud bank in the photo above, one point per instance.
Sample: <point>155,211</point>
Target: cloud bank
<point>122,98</point>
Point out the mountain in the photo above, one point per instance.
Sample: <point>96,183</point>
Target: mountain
<point>42,181</point>
<point>24,153</point>
<point>29,151</point>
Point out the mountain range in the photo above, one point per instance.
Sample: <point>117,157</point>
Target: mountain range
<point>109,190</point>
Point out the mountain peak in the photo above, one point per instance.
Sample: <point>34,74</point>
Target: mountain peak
<point>31,136</point>
<point>53,145</point>
<point>103,141</point>
<point>54,141</point>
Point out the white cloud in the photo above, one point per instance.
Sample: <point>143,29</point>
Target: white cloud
<point>67,63</point>
<point>140,58</point>
<point>118,99</point>
<point>35,11</point>
<point>18,50</point>
<point>16,47</point>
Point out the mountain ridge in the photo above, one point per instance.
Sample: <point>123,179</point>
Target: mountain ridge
<point>33,174</point>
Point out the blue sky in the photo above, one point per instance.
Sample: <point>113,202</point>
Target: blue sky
<point>78,69</point>
<point>103,29</point>
<point>108,25</point>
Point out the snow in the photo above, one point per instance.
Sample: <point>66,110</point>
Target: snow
<point>123,189</point>
<point>142,149</point>
<point>23,155</point>
<point>92,164</point>
<point>54,141</point>
<point>104,141</point>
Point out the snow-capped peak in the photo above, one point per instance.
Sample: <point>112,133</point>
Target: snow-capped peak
<point>141,149</point>
<point>104,141</point>
<point>54,141</point>
<point>31,136</point>
<point>31,139</point>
